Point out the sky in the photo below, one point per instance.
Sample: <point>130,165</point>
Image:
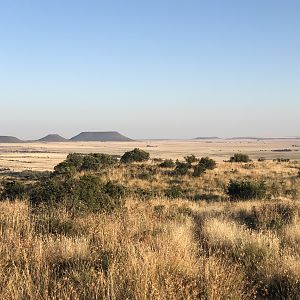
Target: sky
<point>150,68</point>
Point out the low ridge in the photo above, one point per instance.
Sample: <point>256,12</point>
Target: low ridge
<point>52,138</point>
<point>207,138</point>
<point>9,139</point>
<point>105,136</point>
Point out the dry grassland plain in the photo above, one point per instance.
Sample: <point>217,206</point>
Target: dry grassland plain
<point>44,156</point>
<point>174,236</point>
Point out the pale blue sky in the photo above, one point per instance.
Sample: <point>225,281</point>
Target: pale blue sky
<point>150,69</point>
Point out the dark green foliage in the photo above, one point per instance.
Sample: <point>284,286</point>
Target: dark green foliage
<point>167,163</point>
<point>246,189</point>
<point>13,190</point>
<point>52,191</point>
<point>181,168</point>
<point>261,159</point>
<point>190,159</point>
<point>85,193</point>
<point>114,190</point>
<point>64,168</point>
<point>175,191</point>
<point>136,155</point>
<point>90,163</point>
<point>76,162</point>
<point>205,163</point>
<point>279,160</point>
<point>240,157</point>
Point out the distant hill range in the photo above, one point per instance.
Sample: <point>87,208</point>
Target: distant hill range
<point>264,138</point>
<point>9,139</point>
<point>52,138</point>
<point>240,138</point>
<point>207,138</point>
<point>105,136</point>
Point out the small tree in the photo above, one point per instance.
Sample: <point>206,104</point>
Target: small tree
<point>205,163</point>
<point>191,159</point>
<point>136,155</point>
<point>168,163</point>
<point>240,157</point>
<point>182,168</point>
<point>246,189</point>
<point>13,190</point>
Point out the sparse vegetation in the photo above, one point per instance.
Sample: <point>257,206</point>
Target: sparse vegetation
<point>136,155</point>
<point>205,163</point>
<point>246,189</point>
<point>95,228</point>
<point>240,157</point>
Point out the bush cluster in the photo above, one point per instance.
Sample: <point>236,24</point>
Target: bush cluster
<point>246,189</point>
<point>76,162</point>
<point>85,193</point>
<point>167,163</point>
<point>205,163</point>
<point>136,155</point>
<point>13,190</point>
<point>240,157</point>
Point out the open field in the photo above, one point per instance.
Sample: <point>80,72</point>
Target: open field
<point>114,230</point>
<point>44,156</point>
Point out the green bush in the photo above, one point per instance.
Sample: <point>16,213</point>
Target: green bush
<point>167,163</point>
<point>52,191</point>
<point>205,163</point>
<point>64,168</point>
<point>181,168</point>
<point>136,155</point>
<point>239,157</point>
<point>190,159</point>
<point>85,193</point>
<point>13,190</point>
<point>245,189</point>
<point>175,191</point>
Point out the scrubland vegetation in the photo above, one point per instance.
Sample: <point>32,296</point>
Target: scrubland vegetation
<point>131,227</point>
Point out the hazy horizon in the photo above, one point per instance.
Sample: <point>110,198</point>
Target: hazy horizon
<point>150,70</point>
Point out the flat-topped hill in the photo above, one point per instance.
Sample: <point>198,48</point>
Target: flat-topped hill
<point>9,139</point>
<point>105,136</point>
<point>52,138</point>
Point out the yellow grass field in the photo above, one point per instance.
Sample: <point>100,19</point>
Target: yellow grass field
<point>141,231</point>
<point>44,156</point>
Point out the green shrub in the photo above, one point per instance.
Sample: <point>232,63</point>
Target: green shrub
<point>181,168</point>
<point>75,159</point>
<point>190,159</point>
<point>261,159</point>
<point>136,155</point>
<point>167,163</point>
<point>64,168</point>
<point>114,190</point>
<point>85,193</point>
<point>239,157</point>
<point>52,191</point>
<point>13,190</point>
<point>90,163</point>
<point>279,160</point>
<point>245,189</point>
<point>84,162</point>
<point>175,191</point>
<point>205,163</point>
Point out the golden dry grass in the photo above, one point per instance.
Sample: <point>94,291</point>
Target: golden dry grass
<point>160,248</point>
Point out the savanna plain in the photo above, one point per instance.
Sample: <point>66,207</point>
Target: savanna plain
<point>150,220</point>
